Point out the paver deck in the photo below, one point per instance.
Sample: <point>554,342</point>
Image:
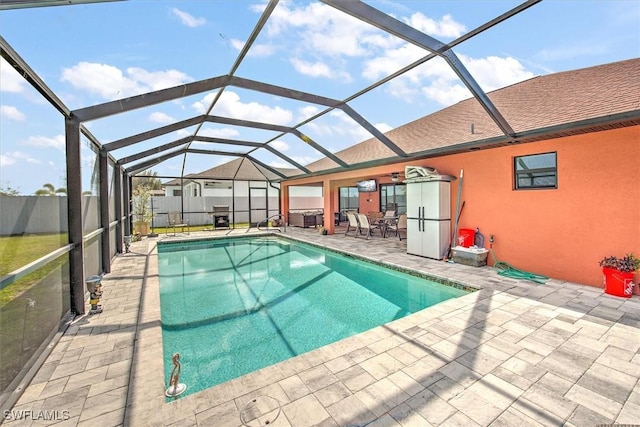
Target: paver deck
<point>512,353</point>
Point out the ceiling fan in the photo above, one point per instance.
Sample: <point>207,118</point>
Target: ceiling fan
<point>395,176</point>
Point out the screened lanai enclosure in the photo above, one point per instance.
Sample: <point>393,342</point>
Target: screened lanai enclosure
<point>220,137</point>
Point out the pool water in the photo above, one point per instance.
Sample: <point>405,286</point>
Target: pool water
<point>232,306</point>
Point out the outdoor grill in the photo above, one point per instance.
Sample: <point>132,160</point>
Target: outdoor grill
<point>220,216</point>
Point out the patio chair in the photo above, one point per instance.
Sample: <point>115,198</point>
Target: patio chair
<point>366,227</point>
<point>175,220</point>
<point>398,226</point>
<point>353,223</point>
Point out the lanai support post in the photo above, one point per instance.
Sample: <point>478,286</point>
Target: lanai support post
<point>329,206</point>
<point>74,209</point>
<point>117,194</point>
<point>126,197</point>
<point>284,201</point>
<point>103,169</point>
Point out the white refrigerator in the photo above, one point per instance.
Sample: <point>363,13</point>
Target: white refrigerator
<point>429,215</point>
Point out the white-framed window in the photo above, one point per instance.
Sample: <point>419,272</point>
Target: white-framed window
<point>535,171</point>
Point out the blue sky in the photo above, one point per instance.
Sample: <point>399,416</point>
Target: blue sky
<point>95,53</point>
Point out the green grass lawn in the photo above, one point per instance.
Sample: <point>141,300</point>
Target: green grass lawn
<point>18,251</point>
<point>192,228</point>
<point>30,307</point>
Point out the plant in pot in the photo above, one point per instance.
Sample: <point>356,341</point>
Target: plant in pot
<point>142,210</point>
<point>618,274</point>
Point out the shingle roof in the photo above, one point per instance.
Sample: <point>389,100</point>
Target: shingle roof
<point>564,100</point>
<point>239,169</point>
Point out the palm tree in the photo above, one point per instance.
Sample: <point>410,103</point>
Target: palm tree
<point>49,190</point>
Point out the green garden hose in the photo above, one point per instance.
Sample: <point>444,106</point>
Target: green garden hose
<point>507,270</point>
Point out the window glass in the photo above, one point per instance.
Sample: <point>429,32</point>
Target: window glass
<point>349,198</point>
<point>393,195</point>
<point>536,171</point>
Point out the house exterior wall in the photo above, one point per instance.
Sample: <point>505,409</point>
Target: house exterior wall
<point>301,198</point>
<point>561,233</point>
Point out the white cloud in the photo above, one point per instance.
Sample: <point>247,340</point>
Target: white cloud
<point>10,80</point>
<point>437,81</point>
<point>319,69</point>
<point>257,50</point>
<point>446,27</point>
<point>57,142</point>
<point>391,61</point>
<point>490,73</point>
<point>227,133</point>
<point>224,133</point>
<point>11,158</point>
<point>348,128</point>
<point>337,124</point>
<point>159,117</point>
<point>307,111</point>
<point>326,39</point>
<point>445,93</point>
<point>324,30</point>
<point>280,145</point>
<point>6,160</point>
<point>301,160</point>
<point>494,72</point>
<point>11,113</point>
<point>157,80</point>
<point>218,132</point>
<point>181,133</point>
<point>229,105</point>
<point>111,83</point>
<point>382,127</point>
<point>188,19</point>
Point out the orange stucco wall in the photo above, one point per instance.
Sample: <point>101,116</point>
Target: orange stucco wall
<point>561,233</point>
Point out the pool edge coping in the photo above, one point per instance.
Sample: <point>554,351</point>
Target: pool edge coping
<point>246,386</point>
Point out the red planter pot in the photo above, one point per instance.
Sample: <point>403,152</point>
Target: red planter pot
<point>617,283</point>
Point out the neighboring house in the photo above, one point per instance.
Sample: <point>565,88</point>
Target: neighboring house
<point>557,196</point>
<point>222,180</point>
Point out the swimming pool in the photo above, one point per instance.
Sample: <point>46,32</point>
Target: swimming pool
<point>232,306</point>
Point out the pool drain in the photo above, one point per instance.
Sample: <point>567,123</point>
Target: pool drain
<point>260,411</point>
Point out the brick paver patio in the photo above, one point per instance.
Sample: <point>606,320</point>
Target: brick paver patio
<point>513,353</point>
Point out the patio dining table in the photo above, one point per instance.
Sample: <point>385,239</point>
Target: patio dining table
<point>382,222</point>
